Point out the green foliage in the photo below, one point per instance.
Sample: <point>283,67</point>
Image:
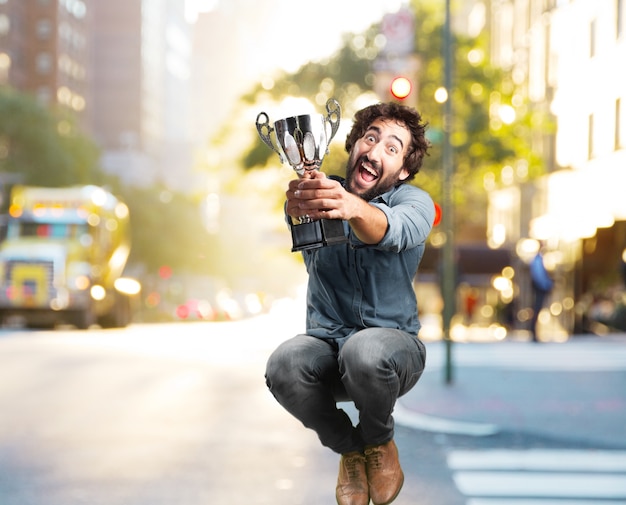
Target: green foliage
<point>44,147</point>
<point>482,143</point>
<point>167,229</point>
<point>257,156</point>
<point>41,146</point>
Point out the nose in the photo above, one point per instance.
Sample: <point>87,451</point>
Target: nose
<point>375,152</point>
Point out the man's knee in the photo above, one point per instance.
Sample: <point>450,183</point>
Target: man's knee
<point>281,365</point>
<point>365,348</point>
<point>290,362</point>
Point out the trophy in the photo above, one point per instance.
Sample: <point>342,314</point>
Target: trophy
<point>302,141</point>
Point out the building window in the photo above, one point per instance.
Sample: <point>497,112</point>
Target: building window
<point>5,24</point>
<point>43,63</point>
<point>592,39</point>
<point>590,138</point>
<point>5,66</point>
<point>618,124</point>
<point>44,29</point>
<point>44,95</point>
<point>549,5</point>
<point>77,8</point>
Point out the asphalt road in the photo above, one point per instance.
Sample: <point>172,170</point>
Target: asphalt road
<point>179,414</point>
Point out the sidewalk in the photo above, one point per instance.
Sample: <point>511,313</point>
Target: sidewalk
<point>574,390</point>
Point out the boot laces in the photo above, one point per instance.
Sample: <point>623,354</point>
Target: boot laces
<point>374,456</point>
<point>353,466</point>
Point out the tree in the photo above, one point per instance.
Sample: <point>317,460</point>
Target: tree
<point>482,141</point>
<point>167,229</point>
<point>43,146</point>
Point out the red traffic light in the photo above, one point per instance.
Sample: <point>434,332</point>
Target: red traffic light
<point>438,214</point>
<point>401,87</point>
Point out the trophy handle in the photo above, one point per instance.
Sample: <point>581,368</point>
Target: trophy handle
<point>264,129</point>
<point>334,117</point>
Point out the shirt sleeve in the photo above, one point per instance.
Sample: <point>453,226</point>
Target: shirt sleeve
<point>410,215</point>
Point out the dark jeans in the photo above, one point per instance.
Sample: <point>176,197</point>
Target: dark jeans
<point>309,375</point>
<point>538,303</point>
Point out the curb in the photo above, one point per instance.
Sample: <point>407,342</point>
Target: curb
<point>415,420</point>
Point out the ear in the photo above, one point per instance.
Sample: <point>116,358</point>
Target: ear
<point>404,173</point>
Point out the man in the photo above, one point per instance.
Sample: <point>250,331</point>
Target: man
<point>361,327</point>
<point>542,284</point>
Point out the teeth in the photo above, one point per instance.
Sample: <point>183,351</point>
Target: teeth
<point>369,170</point>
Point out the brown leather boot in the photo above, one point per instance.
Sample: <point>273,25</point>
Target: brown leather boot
<point>384,474</point>
<point>352,480</point>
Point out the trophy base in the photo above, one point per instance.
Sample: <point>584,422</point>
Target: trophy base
<point>317,234</point>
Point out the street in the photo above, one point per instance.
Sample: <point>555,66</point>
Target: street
<point>179,414</point>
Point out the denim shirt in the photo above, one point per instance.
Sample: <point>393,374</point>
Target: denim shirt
<point>355,286</point>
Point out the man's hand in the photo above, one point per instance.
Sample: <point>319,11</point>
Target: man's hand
<point>319,197</point>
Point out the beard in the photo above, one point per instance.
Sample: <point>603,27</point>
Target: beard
<point>382,185</point>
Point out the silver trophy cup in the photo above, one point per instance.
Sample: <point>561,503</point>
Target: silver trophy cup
<point>302,141</point>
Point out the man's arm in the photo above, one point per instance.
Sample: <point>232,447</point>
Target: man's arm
<point>369,223</point>
<point>322,198</point>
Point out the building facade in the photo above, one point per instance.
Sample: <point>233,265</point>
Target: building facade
<point>141,78</point>
<point>45,49</point>
<point>565,57</point>
<point>122,66</point>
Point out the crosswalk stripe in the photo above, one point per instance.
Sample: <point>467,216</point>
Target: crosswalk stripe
<point>524,501</point>
<point>542,485</point>
<point>539,459</point>
<point>564,357</point>
<point>539,476</point>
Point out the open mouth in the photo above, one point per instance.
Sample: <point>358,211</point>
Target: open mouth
<point>367,173</point>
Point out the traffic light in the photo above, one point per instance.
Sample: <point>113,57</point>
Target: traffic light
<point>438,214</point>
<point>401,87</point>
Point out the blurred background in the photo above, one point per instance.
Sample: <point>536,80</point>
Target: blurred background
<point>155,101</point>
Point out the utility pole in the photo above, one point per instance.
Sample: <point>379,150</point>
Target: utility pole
<point>448,266</point>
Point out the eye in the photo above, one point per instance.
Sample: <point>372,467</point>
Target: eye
<point>393,150</point>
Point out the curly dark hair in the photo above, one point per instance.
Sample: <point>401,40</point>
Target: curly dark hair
<point>408,116</point>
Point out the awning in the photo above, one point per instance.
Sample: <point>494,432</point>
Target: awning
<point>470,259</point>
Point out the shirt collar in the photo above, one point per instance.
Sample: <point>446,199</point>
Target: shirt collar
<point>385,197</point>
